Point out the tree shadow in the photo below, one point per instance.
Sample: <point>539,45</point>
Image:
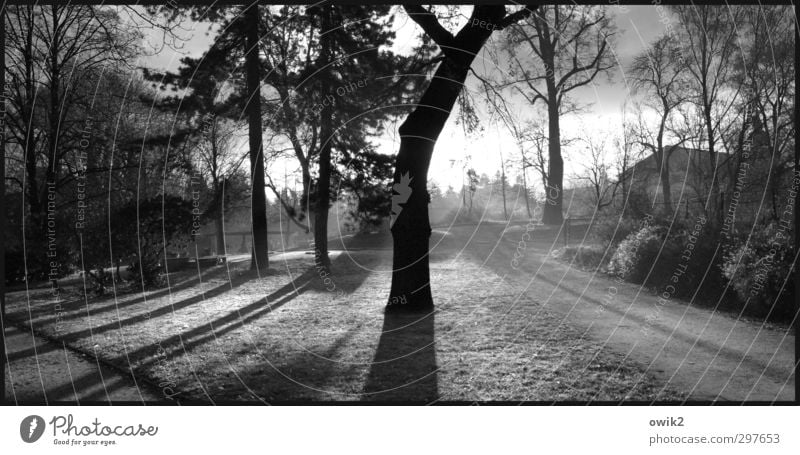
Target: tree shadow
<point>404,368</point>
<point>89,387</point>
<point>169,308</point>
<point>76,309</point>
<point>301,376</point>
<point>58,376</point>
<point>190,339</point>
<point>81,302</point>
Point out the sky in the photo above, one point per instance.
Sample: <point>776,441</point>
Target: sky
<point>603,99</point>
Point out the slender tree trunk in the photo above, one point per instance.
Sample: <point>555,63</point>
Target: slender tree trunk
<point>321,258</point>
<point>666,191</point>
<point>525,190</point>
<point>220,227</point>
<point>288,221</point>
<point>503,185</point>
<point>305,198</point>
<point>463,192</point>
<point>662,165</point>
<point>48,225</point>
<point>260,257</point>
<point>553,212</point>
<point>714,196</point>
<point>287,233</point>
<point>27,117</point>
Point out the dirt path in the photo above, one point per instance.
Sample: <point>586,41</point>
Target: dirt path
<point>39,371</point>
<point>705,354</point>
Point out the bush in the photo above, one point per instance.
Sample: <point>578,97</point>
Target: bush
<point>637,253</point>
<point>587,257</point>
<point>611,230</point>
<point>700,272</point>
<point>685,259</point>
<point>147,229</point>
<point>757,269</point>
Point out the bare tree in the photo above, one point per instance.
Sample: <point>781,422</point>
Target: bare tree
<point>624,144</point>
<point>515,125</point>
<point>503,183</point>
<point>55,52</point>
<point>559,49</point>
<point>472,186</point>
<point>767,77</point>
<point>709,45</point>
<point>218,159</point>
<point>597,170</point>
<point>535,146</point>
<point>658,72</point>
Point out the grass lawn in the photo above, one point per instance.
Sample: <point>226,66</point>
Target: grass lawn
<point>291,336</point>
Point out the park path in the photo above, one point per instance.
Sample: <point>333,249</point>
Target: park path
<point>41,371</point>
<point>704,354</point>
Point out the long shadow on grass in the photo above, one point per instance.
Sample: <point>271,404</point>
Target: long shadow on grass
<point>190,339</point>
<point>64,387</point>
<point>404,367</point>
<point>301,376</point>
<point>140,317</point>
<point>89,387</point>
<point>161,311</point>
<point>80,309</point>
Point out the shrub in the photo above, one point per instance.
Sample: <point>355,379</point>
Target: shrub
<point>587,257</point>
<point>147,229</point>
<point>636,254</point>
<point>682,257</point>
<point>611,230</point>
<point>757,269</point>
<point>695,251</point>
<point>686,261</point>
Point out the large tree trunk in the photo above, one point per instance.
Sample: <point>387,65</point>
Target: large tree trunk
<point>321,259</point>
<point>3,170</point>
<point>553,213</point>
<point>412,229</point>
<point>666,191</point>
<point>260,257</point>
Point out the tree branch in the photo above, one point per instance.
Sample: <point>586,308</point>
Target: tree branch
<point>517,16</point>
<point>430,24</point>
